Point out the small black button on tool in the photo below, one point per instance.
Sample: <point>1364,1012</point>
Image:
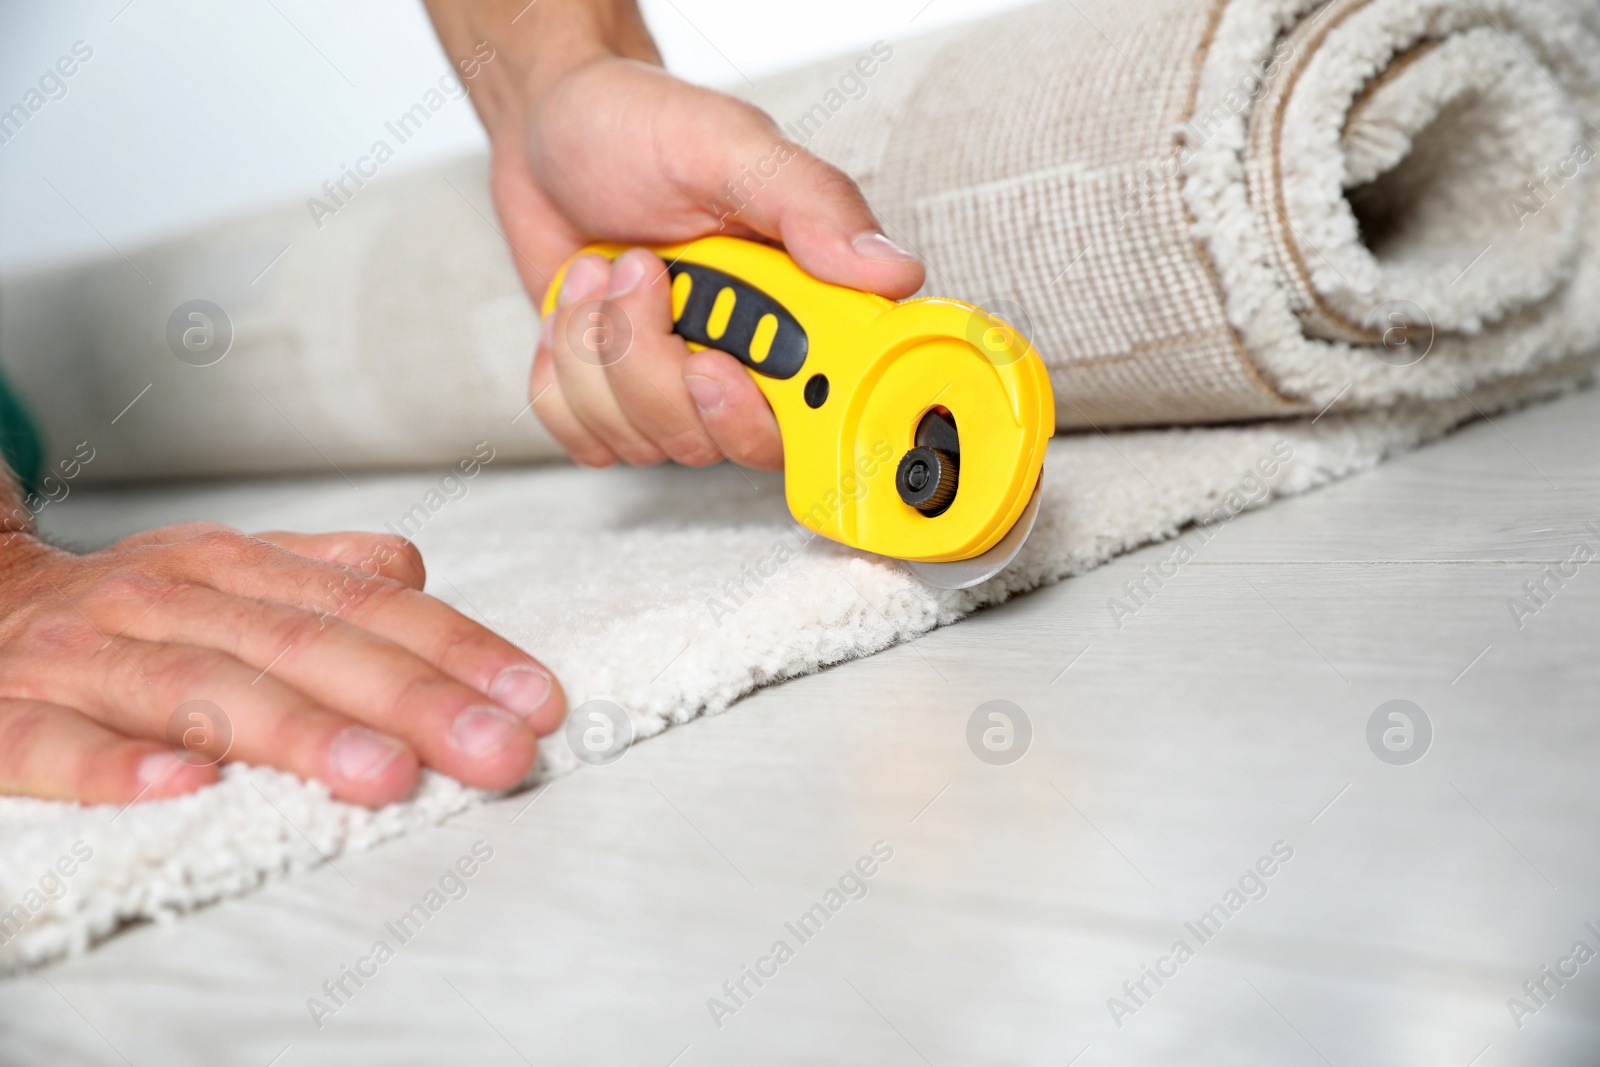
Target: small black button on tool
<point>926,479</point>
<point>817,390</point>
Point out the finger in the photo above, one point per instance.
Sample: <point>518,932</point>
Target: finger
<point>733,410</point>
<point>466,651</point>
<point>373,554</point>
<point>648,383</point>
<point>356,673</point>
<point>473,655</point>
<point>819,214</point>
<point>588,333</point>
<point>57,753</point>
<point>171,535</point>
<point>139,686</point>
<point>556,415</point>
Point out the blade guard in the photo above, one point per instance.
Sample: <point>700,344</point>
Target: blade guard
<point>850,390</point>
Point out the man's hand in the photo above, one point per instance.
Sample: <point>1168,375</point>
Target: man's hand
<point>593,141</point>
<point>321,652</point>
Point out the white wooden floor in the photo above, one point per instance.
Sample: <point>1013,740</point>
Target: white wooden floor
<point>1226,719</point>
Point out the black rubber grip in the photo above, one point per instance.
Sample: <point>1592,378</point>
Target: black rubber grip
<point>787,353</point>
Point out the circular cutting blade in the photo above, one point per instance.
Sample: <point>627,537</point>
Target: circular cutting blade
<point>963,573</point>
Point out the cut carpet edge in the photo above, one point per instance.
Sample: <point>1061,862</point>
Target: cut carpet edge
<point>258,825</point>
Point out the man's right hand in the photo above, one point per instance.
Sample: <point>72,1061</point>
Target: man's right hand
<point>592,140</point>
<point>320,649</point>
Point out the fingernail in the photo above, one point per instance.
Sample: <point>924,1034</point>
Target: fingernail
<point>625,276</point>
<point>157,767</point>
<point>360,754</point>
<point>583,280</point>
<point>876,246</point>
<point>707,393</point>
<point>481,731</point>
<point>522,689</point>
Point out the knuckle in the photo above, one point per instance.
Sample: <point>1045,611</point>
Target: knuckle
<point>36,648</point>
<point>216,533</point>
<point>400,546</point>
<point>233,544</point>
<point>459,644</point>
<point>687,455</point>
<point>295,732</point>
<point>405,553</point>
<point>690,447</point>
<point>175,670</point>
<point>360,594</point>
<point>829,180</point>
<point>583,448</point>
<point>330,587</point>
<point>126,587</point>
<point>48,638</point>
<point>374,552</point>
<point>553,426</point>
<point>22,733</point>
<point>94,768</point>
<point>200,527</point>
<point>637,450</point>
<point>181,531</point>
<point>758,124</point>
<point>705,457</point>
<point>419,696</point>
<point>643,456</point>
<point>747,451</point>
<point>292,628</point>
<point>596,457</point>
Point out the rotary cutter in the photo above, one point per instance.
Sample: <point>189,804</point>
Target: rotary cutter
<point>912,429</point>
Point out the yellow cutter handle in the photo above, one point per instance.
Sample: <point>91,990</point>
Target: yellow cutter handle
<point>878,402</point>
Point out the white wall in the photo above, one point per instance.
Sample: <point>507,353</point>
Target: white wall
<point>193,109</point>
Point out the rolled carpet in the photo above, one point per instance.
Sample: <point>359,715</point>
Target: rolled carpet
<point>1200,211</point>
<point>1207,212</point>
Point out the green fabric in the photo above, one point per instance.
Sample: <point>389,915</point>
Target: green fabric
<point>19,440</point>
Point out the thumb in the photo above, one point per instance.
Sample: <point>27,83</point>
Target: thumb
<point>819,214</point>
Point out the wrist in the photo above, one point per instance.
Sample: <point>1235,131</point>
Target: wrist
<point>19,544</point>
<point>530,46</point>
